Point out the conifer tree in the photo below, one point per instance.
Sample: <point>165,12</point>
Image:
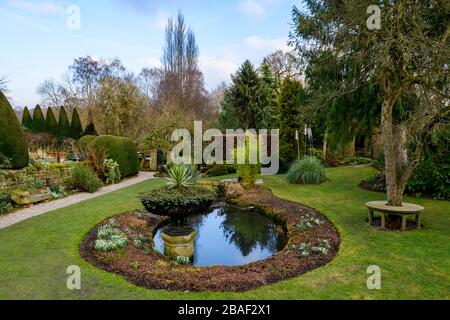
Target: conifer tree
<point>90,128</point>
<point>13,143</point>
<point>51,126</point>
<point>292,97</point>
<point>26,118</point>
<point>38,123</point>
<point>76,126</point>
<point>63,124</point>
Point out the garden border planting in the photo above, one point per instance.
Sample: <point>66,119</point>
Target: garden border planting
<point>313,242</point>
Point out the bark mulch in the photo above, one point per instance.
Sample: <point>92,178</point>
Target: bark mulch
<point>145,267</point>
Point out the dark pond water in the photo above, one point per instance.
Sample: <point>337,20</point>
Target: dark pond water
<point>229,236</point>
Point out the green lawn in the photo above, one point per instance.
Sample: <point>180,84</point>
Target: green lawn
<point>34,254</point>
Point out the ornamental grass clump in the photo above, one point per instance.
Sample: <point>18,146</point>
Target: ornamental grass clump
<point>182,176</point>
<point>308,170</point>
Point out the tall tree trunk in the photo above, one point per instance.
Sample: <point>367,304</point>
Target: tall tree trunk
<point>394,195</point>
<point>325,145</point>
<point>401,151</point>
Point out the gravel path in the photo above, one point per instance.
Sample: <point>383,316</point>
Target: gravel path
<point>37,210</point>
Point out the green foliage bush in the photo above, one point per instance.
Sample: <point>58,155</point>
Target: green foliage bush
<point>217,170</point>
<point>38,124</point>
<point>13,143</point>
<point>247,173</point>
<point>178,202</point>
<point>76,128</point>
<point>51,125</point>
<point>83,178</point>
<point>26,118</point>
<point>317,153</point>
<point>5,162</point>
<point>5,203</point>
<point>430,178</point>
<point>122,150</point>
<point>308,170</point>
<point>110,171</point>
<point>358,160</point>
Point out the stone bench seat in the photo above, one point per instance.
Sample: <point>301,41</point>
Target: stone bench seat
<point>404,211</point>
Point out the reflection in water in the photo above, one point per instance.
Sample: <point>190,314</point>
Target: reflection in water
<point>227,236</point>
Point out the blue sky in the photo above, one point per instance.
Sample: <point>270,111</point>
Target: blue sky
<point>37,44</point>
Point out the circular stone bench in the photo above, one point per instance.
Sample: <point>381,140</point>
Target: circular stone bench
<point>404,211</point>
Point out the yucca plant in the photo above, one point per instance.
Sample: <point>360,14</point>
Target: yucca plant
<point>308,170</point>
<point>182,176</point>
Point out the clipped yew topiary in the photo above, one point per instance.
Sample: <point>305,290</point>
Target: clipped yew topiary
<point>90,128</point>
<point>26,118</point>
<point>51,126</point>
<point>76,128</point>
<point>13,143</point>
<point>122,150</point>
<point>85,142</point>
<point>64,129</point>
<point>38,124</point>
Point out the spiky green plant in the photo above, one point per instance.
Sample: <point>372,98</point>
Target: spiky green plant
<point>182,176</point>
<point>308,170</point>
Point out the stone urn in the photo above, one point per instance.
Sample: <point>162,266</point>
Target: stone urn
<point>28,197</point>
<point>179,242</point>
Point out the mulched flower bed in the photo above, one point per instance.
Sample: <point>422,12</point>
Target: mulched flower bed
<point>145,267</point>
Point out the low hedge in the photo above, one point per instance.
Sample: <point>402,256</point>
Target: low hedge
<point>178,202</point>
<point>121,150</point>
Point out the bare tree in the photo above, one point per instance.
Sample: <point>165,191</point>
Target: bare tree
<point>4,83</point>
<point>50,91</point>
<point>86,73</point>
<point>283,64</point>
<point>182,81</point>
<point>148,80</point>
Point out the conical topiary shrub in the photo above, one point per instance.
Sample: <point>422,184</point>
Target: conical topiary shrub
<point>13,143</point>
<point>26,118</point>
<point>38,123</point>
<point>51,126</point>
<point>90,128</point>
<point>76,126</point>
<point>63,124</point>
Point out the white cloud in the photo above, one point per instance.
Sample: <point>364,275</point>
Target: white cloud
<point>23,20</point>
<point>217,69</point>
<point>260,43</point>
<point>257,8</point>
<point>152,62</point>
<point>160,21</point>
<point>252,7</point>
<point>38,7</point>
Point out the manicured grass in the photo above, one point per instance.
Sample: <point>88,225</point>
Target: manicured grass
<point>34,254</point>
